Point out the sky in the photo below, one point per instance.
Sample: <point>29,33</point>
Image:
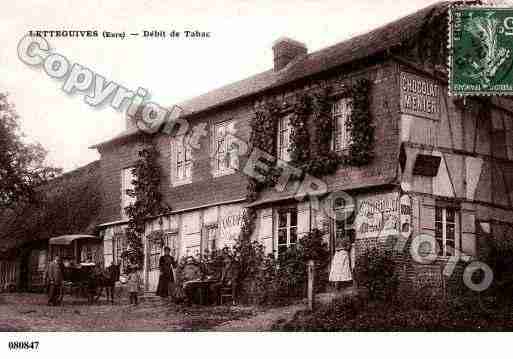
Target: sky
<point>173,70</point>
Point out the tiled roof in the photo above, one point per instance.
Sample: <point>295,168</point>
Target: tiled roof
<point>387,37</point>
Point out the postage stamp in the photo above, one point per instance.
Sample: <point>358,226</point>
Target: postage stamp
<point>481,51</point>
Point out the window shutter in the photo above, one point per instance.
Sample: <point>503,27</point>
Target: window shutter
<point>303,219</point>
<point>265,234</point>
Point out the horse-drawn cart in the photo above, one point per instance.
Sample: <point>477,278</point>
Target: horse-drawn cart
<point>82,266</point>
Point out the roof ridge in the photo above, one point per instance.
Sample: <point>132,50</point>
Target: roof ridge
<point>356,47</point>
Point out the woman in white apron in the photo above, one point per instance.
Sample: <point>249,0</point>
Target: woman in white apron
<point>342,263</point>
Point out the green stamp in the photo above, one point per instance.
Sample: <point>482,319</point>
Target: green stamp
<point>481,53</point>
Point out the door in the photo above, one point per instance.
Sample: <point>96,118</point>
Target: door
<point>155,251</point>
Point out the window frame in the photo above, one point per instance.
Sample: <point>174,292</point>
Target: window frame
<point>227,148</point>
<point>288,228</point>
<point>341,144</point>
<point>283,152</point>
<point>207,243</point>
<point>442,241</point>
<point>181,157</point>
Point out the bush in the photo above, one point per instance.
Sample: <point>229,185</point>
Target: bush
<point>375,270</point>
<point>351,314</point>
<point>267,280</point>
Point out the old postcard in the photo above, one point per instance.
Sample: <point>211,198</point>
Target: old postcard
<point>281,166</point>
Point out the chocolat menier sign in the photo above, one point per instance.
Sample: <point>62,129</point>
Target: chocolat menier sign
<point>420,96</point>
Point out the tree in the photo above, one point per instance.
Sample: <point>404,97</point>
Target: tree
<point>22,164</point>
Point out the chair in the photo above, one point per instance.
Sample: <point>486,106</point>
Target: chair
<point>227,285</point>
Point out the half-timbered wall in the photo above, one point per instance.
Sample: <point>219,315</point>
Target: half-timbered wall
<point>474,144</point>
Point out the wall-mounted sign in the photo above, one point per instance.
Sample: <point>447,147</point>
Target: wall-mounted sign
<point>419,96</point>
<point>377,216</point>
<point>230,223</point>
<point>406,213</point>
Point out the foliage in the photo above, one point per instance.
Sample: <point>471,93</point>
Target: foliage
<point>321,160</point>
<point>68,204</point>
<point>22,164</point>
<point>311,150</point>
<point>264,126</point>
<point>360,125</point>
<point>300,138</point>
<point>375,269</point>
<point>147,196</point>
<point>269,280</point>
<point>358,314</point>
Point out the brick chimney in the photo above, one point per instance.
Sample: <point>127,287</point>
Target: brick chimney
<point>285,50</point>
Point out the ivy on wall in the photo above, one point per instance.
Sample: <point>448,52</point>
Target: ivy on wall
<point>147,201</point>
<point>360,125</point>
<point>299,136</point>
<point>264,126</point>
<point>312,133</point>
<point>323,160</point>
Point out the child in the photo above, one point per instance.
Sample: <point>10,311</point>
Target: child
<point>133,284</point>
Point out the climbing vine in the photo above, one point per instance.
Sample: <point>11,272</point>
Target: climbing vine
<point>147,201</point>
<point>323,160</point>
<point>299,136</point>
<point>311,150</point>
<point>264,126</point>
<point>360,125</point>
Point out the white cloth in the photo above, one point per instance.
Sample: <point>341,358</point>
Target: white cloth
<point>341,267</point>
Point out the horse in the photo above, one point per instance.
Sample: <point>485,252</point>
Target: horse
<point>107,279</point>
<point>90,280</point>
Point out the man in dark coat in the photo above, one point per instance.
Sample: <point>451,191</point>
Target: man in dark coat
<point>166,265</point>
<point>55,282</point>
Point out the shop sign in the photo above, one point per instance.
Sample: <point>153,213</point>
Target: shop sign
<point>419,96</point>
<point>377,216</point>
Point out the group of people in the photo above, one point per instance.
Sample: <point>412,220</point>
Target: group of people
<point>167,265</point>
<point>341,271</point>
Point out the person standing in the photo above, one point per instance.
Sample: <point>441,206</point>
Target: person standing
<point>342,263</point>
<point>134,285</point>
<point>55,281</point>
<point>166,277</point>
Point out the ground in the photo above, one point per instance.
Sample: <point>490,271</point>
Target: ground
<point>29,312</point>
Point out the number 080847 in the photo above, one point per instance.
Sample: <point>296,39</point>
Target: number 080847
<point>23,345</point>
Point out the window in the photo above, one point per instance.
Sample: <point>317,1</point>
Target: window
<point>284,130</point>
<point>192,251</point>
<point>445,230</point>
<point>341,112</point>
<point>171,240</point>
<point>120,245</point>
<point>343,222</point>
<point>154,248</point>
<point>287,229</point>
<point>210,238</point>
<point>127,179</point>
<point>42,261</point>
<point>182,166</point>
<point>225,148</point>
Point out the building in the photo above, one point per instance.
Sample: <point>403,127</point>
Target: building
<point>414,161</point>
<point>68,204</point>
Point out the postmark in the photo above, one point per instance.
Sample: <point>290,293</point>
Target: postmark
<point>481,51</point>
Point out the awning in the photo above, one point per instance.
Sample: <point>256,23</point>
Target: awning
<point>69,238</point>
